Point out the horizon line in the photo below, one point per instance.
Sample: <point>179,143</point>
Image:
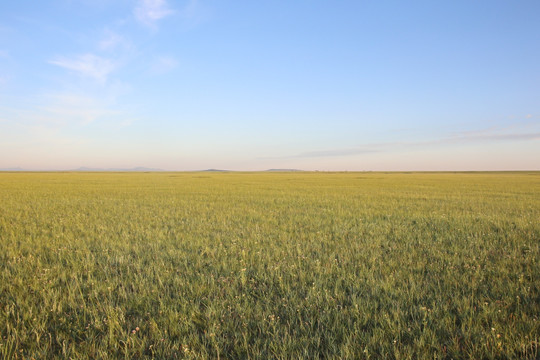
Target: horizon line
<point>258,171</point>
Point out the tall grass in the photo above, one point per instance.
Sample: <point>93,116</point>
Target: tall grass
<point>269,265</point>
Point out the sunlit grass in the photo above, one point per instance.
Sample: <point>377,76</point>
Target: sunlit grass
<point>269,265</point>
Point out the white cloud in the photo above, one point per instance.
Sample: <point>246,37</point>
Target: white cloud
<point>126,122</point>
<point>71,108</point>
<point>493,134</point>
<point>194,12</point>
<point>4,54</point>
<point>67,110</point>
<point>191,9</point>
<point>112,41</point>
<point>150,11</point>
<point>163,64</point>
<point>88,65</point>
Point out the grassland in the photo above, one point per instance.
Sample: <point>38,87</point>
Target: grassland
<point>269,265</point>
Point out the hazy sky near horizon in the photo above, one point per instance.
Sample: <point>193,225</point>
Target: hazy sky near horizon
<point>253,85</point>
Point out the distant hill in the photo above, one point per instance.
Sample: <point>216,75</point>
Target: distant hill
<point>135,169</point>
<point>13,169</point>
<point>282,170</point>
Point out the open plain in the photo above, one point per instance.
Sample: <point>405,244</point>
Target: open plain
<point>270,265</point>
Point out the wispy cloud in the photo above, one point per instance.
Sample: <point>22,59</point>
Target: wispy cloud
<point>3,55</point>
<point>148,12</point>
<point>112,40</point>
<point>57,111</point>
<point>88,65</point>
<point>163,64</point>
<point>194,13</point>
<point>76,108</point>
<point>339,152</point>
<point>492,134</point>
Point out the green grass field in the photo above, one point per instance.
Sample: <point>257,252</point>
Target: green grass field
<point>270,265</point>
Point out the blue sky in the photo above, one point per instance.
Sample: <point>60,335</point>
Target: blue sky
<point>252,85</point>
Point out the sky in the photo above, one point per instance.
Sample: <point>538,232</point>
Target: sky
<point>255,85</point>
